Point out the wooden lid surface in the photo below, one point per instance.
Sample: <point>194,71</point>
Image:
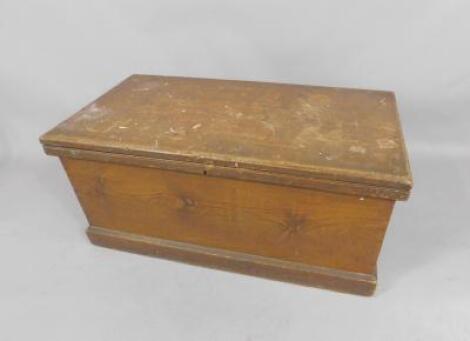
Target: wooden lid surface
<point>337,134</point>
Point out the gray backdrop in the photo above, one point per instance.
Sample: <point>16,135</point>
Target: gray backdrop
<point>56,56</point>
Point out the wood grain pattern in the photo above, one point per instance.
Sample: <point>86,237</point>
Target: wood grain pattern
<point>292,224</point>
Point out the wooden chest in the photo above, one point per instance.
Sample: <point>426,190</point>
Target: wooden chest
<point>290,182</point>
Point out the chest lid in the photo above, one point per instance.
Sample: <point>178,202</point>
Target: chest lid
<point>343,140</point>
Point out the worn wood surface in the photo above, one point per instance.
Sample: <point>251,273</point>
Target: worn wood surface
<point>332,134</point>
<point>299,225</point>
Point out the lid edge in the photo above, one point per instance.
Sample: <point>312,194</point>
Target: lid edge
<point>298,179</point>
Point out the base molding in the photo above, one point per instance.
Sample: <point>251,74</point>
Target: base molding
<point>321,277</point>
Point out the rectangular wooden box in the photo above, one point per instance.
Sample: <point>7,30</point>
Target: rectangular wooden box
<point>290,182</point>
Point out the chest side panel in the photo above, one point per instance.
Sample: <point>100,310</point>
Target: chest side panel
<point>301,225</point>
